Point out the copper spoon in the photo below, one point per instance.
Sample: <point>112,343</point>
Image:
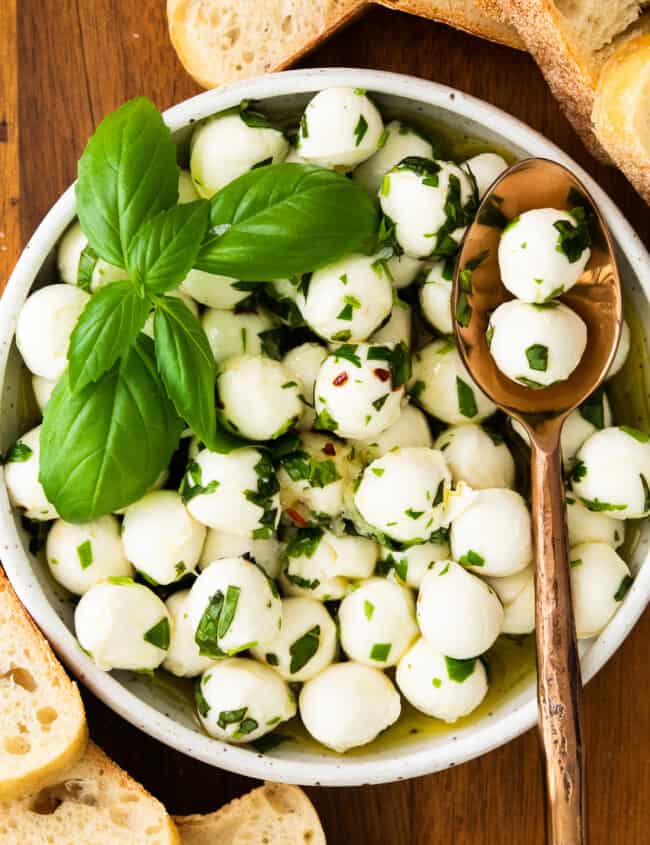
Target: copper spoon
<point>540,183</point>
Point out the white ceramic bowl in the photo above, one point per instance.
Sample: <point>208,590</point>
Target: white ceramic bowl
<point>150,708</point>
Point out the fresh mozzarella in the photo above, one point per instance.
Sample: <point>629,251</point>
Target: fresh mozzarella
<point>377,622</point>
<point>183,658</point>
<point>187,301</point>
<point>230,334</point>
<point>398,142</point>
<point>493,535</point>
<point>440,686</point>
<point>348,704</point>
<point>186,190</point>
<point>536,346</point>
<point>415,197</point>
<point>43,388</point>
<point>161,538</point>
<point>340,128</point>
<point>229,492</point>
<point>459,615</point>
<point>260,400</point>
<point>225,147</point>
<point>122,625</point>
<point>519,615</point>
<point>397,329</point>
<point>221,544</point>
<point>213,290</point>
<point>22,478</point>
<point>485,168</point>
<point>244,601</point>
<point>79,556</point>
<point>411,565</point>
<point>401,494</point>
<point>354,393</point>
<point>444,388</point>
<point>508,587</point>
<point>304,362</point>
<point>612,473</point>
<point>477,457</point>
<point>585,526</point>
<point>411,429</point>
<point>622,351</point>
<point>45,323</point>
<point>403,270</point>
<point>305,645</point>
<point>435,297</point>
<point>599,582</point>
<point>347,300</point>
<point>240,700</point>
<point>91,272</point>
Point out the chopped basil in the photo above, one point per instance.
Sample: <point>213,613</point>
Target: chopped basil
<point>597,506</point>
<point>466,399</point>
<point>380,651</point>
<point>623,588</point>
<point>463,310</point>
<point>381,142</point>
<point>531,383</point>
<point>399,567</point>
<point>228,611</point>
<point>537,356</point>
<point>593,409</point>
<point>471,558</point>
<point>86,267</point>
<point>120,580</point>
<point>85,554</point>
<point>368,609</point>
<point>398,359</point>
<point>18,453</point>
<point>384,190</point>
<point>180,568</point>
<point>271,659</point>
<point>192,484</point>
<point>264,497</point>
<point>437,500</point>
<point>303,649</point>
<point>201,703</point>
<point>303,583</point>
<point>304,128</point>
<point>378,404</point>
<point>646,492</point>
<point>246,727</point>
<point>304,543</point>
<point>273,342</point>
<point>231,717</point>
<point>300,466</point>
<point>459,670</point>
<point>206,635</point>
<point>489,334</point>
<point>349,353</point>
<point>325,421</point>
<point>558,291</point>
<point>417,390</point>
<point>413,514</point>
<point>491,214</point>
<point>378,471</point>
<point>360,130</point>
<point>641,436</point>
<point>423,167</point>
<point>574,564</point>
<point>342,336</point>
<point>437,683</point>
<point>159,635</point>
<point>579,471</point>
<point>345,313</point>
<point>445,570</point>
<point>573,239</point>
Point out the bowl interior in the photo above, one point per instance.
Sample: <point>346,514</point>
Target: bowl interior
<point>162,709</point>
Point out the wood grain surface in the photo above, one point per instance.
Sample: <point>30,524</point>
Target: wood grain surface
<point>64,64</point>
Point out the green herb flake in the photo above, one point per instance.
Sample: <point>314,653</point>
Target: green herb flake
<point>349,353</point>
<point>303,649</point>
<point>623,588</point>
<point>466,399</point>
<point>593,409</point>
<point>159,635</point>
<point>459,670</point>
<point>463,310</point>
<point>360,130</point>
<point>228,612</point>
<point>596,506</point>
<point>378,404</point>
<point>444,570</point>
<point>531,383</point>
<point>272,659</point>
<point>380,652</point>
<point>471,558</point>
<point>18,454</point>
<point>325,421</point>
<point>437,683</point>
<point>85,554</point>
<point>206,635</point>
<point>574,564</point>
<point>573,239</point>
<point>345,313</point>
<point>368,609</point>
<point>192,484</point>
<point>231,717</point>
<point>304,543</point>
<point>641,436</point>
<point>180,569</point>
<point>384,190</point>
<point>537,356</point>
<point>201,702</point>
<point>377,471</point>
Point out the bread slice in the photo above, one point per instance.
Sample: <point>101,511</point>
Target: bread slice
<point>621,113</point>
<point>273,814</point>
<point>42,721</point>
<point>94,803</point>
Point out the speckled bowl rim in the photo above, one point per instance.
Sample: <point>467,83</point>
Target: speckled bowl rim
<point>328,770</point>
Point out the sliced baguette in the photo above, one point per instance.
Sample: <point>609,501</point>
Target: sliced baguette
<point>273,814</point>
<point>42,721</point>
<point>95,803</point>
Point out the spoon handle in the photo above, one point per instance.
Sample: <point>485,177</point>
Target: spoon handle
<point>558,666</point>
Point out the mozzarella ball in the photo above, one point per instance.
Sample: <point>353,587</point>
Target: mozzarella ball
<point>443,387</point>
<point>225,147</point>
<point>435,297</point>
<point>304,362</point>
<point>347,300</point>
<point>477,457</point>
<point>599,581</point>
<point>315,475</point>
<point>221,544</point>
<point>585,526</point>
<point>183,658</point>
<point>403,270</point>
<point>90,274</point>
<point>533,266</point>
<point>519,615</point>
<point>414,196</point>
<point>79,556</point>
<point>411,429</point>
<point>21,477</point>
<point>397,329</point>
<point>493,535</point>
<point>260,399</point>
<point>230,492</point>
<point>354,392</point>
<point>398,142</point>
<point>122,625</point>
<point>440,686</point>
<point>612,473</point>
<point>305,645</point>
<point>348,705</point>
<point>411,565</point>
<point>339,129</point>
<point>186,190</point>
<point>459,614</point>
<point>622,351</point>
<point>243,599</point>
<point>42,388</point>
<point>485,168</point>
<point>509,587</point>
<point>536,346</point>
<point>401,494</point>
<point>45,323</point>
<point>214,290</point>
<point>187,301</point>
<point>239,700</point>
<point>377,622</point>
<point>161,539</point>
<point>230,334</point>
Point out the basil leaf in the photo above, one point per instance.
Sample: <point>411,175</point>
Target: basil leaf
<point>104,446</point>
<point>127,174</point>
<point>459,670</point>
<point>279,221</point>
<point>108,325</point>
<point>187,366</point>
<point>303,649</point>
<point>164,250</point>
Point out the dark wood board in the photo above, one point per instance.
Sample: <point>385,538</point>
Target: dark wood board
<point>64,64</point>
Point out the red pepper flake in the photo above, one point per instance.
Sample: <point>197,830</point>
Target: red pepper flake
<point>382,375</point>
<point>329,449</point>
<point>296,518</point>
<point>340,379</point>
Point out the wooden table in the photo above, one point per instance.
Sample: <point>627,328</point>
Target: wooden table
<point>75,60</point>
